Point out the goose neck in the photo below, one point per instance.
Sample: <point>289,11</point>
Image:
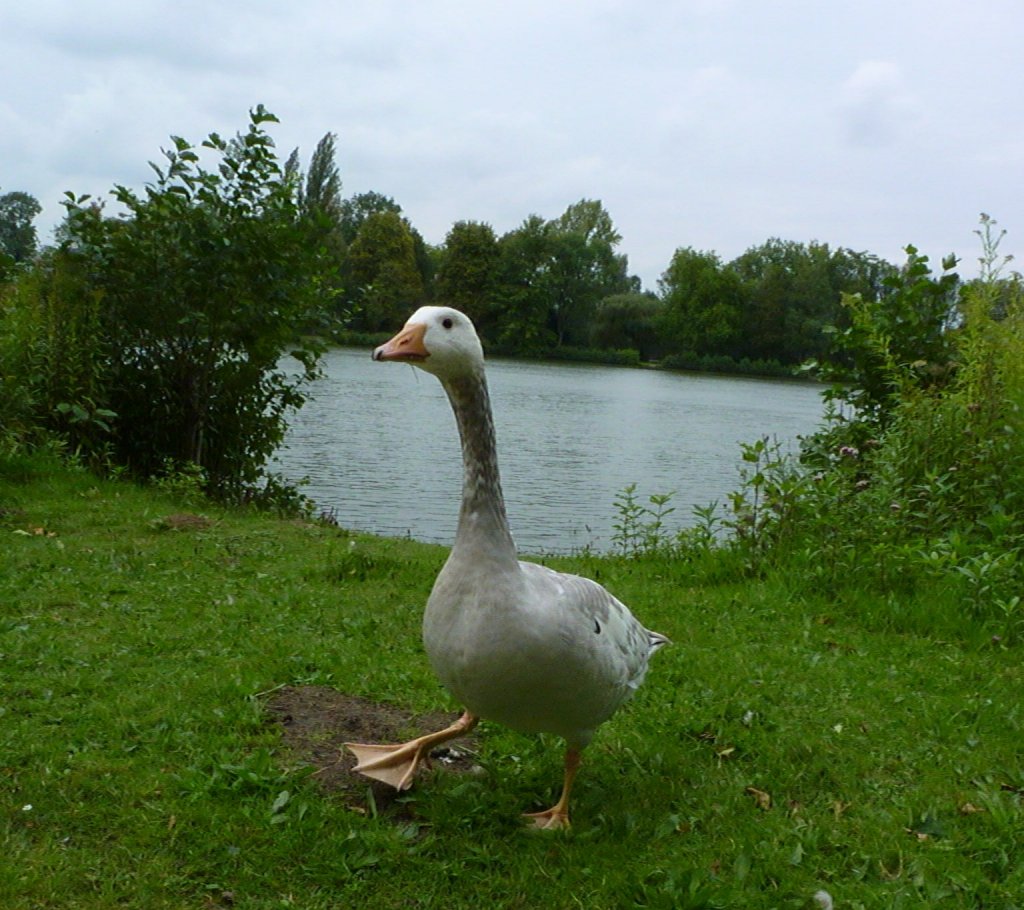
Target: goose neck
<point>482,519</point>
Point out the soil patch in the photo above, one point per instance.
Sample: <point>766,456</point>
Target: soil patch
<point>316,722</point>
<point>183,521</point>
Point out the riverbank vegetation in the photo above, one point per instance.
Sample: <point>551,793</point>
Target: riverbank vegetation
<point>149,340</point>
<point>841,712</point>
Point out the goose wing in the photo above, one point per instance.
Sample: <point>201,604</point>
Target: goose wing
<point>592,621</point>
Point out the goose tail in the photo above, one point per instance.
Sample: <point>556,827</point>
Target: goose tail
<point>656,640</point>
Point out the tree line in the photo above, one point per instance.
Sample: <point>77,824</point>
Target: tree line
<point>551,286</point>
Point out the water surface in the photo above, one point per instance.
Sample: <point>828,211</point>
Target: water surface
<point>379,445</point>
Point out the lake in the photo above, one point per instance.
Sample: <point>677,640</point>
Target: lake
<point>379,445</point>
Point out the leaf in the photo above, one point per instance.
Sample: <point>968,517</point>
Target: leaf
<point>741,867</point>
<point>762,800</point>
<point>282,800</point>
<point>929,826</point>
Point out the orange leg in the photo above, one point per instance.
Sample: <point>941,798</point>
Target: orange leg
<point>558,815</point>
<point>396,764</point>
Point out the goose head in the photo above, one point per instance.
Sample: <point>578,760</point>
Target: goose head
<point>439,340</point>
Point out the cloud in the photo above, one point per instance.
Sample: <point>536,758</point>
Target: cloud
<point>876,104</point>
<point>711,123</point>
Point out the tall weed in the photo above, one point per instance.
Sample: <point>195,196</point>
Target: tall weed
<point>920,489</point>
<point>53,360</point>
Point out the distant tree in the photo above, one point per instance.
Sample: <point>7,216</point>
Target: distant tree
<point>293,171</point>
<point>584,269</point>
<point>768,272</point>
<point>426,260</point>
<point>523,292</point>
<point>794,291</point>
<point>321,194</point>
<point>467,272</point>
<point>203,286</point>
<point>354,212</point>
<point>384,275</point>
<point>588,218</point>
<point>320,204</point>
<point>552,274</point>
<point>17,233</point>
<point>703,303</point>
<point>356,209</point>
<point>861,273</point>
<point>628,320</point>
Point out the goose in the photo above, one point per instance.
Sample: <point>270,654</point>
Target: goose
<point>514,642</point>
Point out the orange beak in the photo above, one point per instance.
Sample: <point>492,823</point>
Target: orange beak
<point>406,347</point>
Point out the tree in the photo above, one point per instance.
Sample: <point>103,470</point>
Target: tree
<point>17,233</point>
<point>552,274</point>
<point>523,293</point>
<point>383,273</point>
<point>628,320</point>
<point>793,291</point>
<point>356,209</point>
<point>354,213</point>
<point>322,192</point>
<point>204,284</point>
<point>703,304</point>
<point>584,269</point>
<point>589,219</point>
<point>319,200</point>
<point>467,272</point>
<point>769,317</point>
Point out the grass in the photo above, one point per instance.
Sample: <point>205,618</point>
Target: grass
<point>781,747</point>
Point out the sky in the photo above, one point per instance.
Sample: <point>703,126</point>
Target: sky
<point>711,124</point>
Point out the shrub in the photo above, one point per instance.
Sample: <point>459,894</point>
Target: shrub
<point>203,284</point>
<point>51,358</point>
<point>918,485</point>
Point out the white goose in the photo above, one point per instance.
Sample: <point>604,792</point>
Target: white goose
<point>514,642</point>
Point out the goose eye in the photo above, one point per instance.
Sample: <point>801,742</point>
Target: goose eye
<point>446,322</point>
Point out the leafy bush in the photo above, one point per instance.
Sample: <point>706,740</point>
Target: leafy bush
<point>895,342</point>
<point>51,358</point>
<point>640,529</point>
<point>918,486</point>
<point>619,357</point>
<point>203,284</point>
<point>724,363</point>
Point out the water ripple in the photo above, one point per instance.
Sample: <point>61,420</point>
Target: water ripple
<point>380,448</point>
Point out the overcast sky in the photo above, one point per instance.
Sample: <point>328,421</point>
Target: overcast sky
<point>714,124</point>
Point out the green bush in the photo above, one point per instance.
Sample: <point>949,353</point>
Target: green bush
<point>203,286</point>
<point>52,363</point>
<point>907,506</point>
<point>916,489</point>
<point>724,363</point>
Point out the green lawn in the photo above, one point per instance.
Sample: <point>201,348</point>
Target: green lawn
<point>779,748</point>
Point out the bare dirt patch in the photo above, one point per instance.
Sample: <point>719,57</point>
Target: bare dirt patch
<point>183,521</point>
<point>316,722</point>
